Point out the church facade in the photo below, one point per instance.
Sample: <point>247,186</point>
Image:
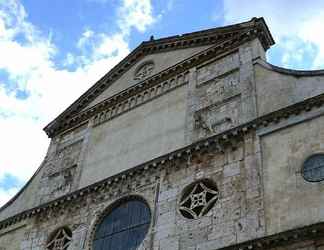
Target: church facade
<point>192,142</point>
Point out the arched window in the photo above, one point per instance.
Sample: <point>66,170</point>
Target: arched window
<point>60,239</point>
<point>124,228</point>
<point>313,168</point>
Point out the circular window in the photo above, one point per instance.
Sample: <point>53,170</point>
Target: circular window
<point>198,198</point>
<point>60,239</point>
<point>124,228</point>
<point>144,71</point>
<point>313,168</point>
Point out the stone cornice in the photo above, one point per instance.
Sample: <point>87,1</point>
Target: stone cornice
<point>293,72</point>
<point>224,37</point>
<point>217,143</point>
<point>311,232</point>
<point>219,50</point>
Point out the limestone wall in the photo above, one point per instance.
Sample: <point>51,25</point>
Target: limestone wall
<point>147,132</point>
<point>277,87</point>
<point>161,62</point>
<point>290,201</point>
<point>256,170</point>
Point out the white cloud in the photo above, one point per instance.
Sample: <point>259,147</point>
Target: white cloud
<point>292,24</point>
<point>135,13</point>
<point>31,67</point>
<point>6,195</point>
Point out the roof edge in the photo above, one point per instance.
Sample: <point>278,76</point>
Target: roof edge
<point>198,38</point>
<point>286,71</point>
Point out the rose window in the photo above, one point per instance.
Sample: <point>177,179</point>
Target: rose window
<point>198,198</point>
<point>60,240</point>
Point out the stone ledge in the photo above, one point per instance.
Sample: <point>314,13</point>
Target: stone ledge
<point>315,231</point>
<point>218,142</point>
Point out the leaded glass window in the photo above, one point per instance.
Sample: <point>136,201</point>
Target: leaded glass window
<point>313,169</point>
<point>60,239</point>
<point>124,228</point>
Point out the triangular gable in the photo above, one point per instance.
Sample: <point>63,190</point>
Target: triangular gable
<point>158,63</point>
<point>255,26</point>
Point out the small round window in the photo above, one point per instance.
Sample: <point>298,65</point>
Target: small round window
<point>124,228</point>
<point>198,198</point>
<point>313,168</point>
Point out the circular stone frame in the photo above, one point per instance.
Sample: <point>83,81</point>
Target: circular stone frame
<point>146,71</point>
<point>105,212</point>
<point>304,168</point>
<point>198,198</point>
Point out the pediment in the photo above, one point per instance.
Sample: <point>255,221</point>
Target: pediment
<point>147,66</point>
<point>160,55</point>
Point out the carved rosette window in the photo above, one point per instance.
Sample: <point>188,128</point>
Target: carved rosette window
<point>198,198</point>
<point>144,71</point>
<point>60,240</point>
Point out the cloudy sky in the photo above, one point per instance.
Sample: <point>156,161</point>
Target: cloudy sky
<point>53,51</point>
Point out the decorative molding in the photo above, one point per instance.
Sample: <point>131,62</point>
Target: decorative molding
<point>293,72</point>
<point>217,143</point>
<point>226,39</point>
<point>141,98</point>
<point>144,71</point>
<point>312,232</point>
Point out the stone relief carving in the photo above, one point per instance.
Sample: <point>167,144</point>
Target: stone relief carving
<point>218,68</point>
<point>219,90</point>
<point>60,170</point>
<point>208,123</point>
<point>217,118</point>
<point>219,102</point>
<point>144,71</point>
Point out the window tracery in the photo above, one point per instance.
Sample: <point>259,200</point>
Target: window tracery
<point>60,240</point>
<point>198,198</point>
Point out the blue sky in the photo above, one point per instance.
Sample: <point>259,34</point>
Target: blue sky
<point>53,51</point>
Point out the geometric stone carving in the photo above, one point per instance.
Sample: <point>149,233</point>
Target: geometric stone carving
<point>198,198</point>
<point>61,240</point>
<point>144,71</point>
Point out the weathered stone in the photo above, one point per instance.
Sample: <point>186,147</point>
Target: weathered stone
<point>206,119</point>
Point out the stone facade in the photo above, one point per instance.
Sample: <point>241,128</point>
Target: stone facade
<point>198,128</point>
